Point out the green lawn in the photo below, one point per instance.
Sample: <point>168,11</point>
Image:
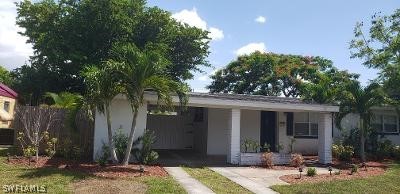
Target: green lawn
<point>214,181</point>
<point>61,181</point>
<point>387,183</point>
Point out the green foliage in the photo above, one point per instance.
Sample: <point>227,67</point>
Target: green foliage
<point>120,142</point>
<point>103,155</point>
<point>29,151</point>
<point>68,150</point>
<point>5,77</point>
<point>359,100</point>
<point>249,145</point>
<point>354,168</point>
<point>379,48</point>
<point>311,171</point>
<point>274,75</point>
<point>51,146</point>
<point>66,40</point>
<point>396,152</point>
<point>342,152</point>
<point>145,154</point>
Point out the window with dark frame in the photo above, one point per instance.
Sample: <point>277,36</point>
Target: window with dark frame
<point>385,123</point>
<point>306,124</point>
<point>7,106</point>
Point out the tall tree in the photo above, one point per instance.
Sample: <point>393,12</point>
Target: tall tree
<point>268,74</point>
<point>359,100</point>
<point>379,48</point>
<point>5,76</point>
<point>141,71</point>
<point>102,87</point>
<point>69,34</point>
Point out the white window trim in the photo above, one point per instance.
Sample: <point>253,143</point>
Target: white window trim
<point>383,123</point>
<point>309,128</point>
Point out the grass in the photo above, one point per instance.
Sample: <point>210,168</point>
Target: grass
<point>386,183</point>
<point>214,181</point>
<point>62,181</point>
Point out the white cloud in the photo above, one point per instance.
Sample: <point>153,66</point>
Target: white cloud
<point>14,51</point>
<point>191,18</point>
<point>260,19</point>
<point>216,34</point>
<point>206,78</point>
<point>250,48</point>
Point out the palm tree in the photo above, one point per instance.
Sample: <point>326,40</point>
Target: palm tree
<point>101,88</point>
<point>142,71</point>
<point>359,100</point>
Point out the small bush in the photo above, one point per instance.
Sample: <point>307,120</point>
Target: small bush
<point>385,149</point>
<point>354,168</point>
<point>267,159</point>
<point>51,147</point>
<point>104,155</point>
<point>69,151</point>
<point>338,172</point>
<point>311,171</point>
<point>297,160</point>
<point>396,152</point>
<point>120,141</point>
<point>249,145</point>
<point>145,154</point>
<point>342,152</point>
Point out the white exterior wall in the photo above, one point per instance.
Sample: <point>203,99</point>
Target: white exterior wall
<point>250,125</point>
<point>121,117</point>
<point>218,130</point>
<point>351,121</point>
<point>301,145</point>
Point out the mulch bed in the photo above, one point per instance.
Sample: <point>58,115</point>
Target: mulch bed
<point>372,169</point>
<point>108,171</point>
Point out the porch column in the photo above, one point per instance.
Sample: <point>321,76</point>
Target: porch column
<point>234,137</point>
<point>325,138</point>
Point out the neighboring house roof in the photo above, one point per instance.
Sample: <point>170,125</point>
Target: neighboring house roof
<point>7,92</point>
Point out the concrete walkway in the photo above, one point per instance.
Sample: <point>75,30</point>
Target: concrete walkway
<point>258,180</point>
<point>191,185</point>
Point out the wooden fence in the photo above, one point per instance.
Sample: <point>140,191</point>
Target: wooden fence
<point>80,135</point>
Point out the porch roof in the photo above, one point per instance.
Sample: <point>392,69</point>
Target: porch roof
<point>253,102</point>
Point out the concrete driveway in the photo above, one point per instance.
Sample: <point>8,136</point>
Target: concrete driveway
<point>258,180</point>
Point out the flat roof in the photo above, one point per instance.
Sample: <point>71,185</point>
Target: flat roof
<point>251,102</point>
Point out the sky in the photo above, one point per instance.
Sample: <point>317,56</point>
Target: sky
<point>307,27</point>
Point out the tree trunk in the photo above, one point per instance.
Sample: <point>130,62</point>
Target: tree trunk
<point>37,154</point>
<point>362,140</point>
<point>130,140</point>
<point>113,153</point>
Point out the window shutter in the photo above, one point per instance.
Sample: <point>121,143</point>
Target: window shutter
<point>289,124</point>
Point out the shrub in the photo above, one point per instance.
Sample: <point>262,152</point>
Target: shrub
<point>267,159</point>
<point>51,147</point>
<point>396,152</point>
<point>297,160</point>
<point>338,172</point>
<point>385,149</point>
<point>68,150</point>
<point>249,145</point>
<point>342,152</point>
<point>354,168</point>
<point>120,141</point>
<point>145,154</point>
<point>102,157</point>
<point>311,171</point>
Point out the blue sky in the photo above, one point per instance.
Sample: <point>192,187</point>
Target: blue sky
<point>308,27</point>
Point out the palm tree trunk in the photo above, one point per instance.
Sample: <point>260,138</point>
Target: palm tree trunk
<point>130,140</point>
<point>113,153</point>
<point>362,140</point>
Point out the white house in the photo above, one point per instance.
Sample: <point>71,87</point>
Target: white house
<point>216,124</point>
<point>385,122</point>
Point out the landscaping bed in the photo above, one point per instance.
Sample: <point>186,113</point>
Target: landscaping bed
<point>108,171</point>
<point>371,169</point>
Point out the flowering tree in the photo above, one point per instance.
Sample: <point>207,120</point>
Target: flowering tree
<point>35,124</point>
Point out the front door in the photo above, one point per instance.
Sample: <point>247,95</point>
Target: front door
<point>268,129</point>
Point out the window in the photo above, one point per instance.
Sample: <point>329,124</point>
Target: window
<point>306,124</point>
<point>385,123</point>
<point>7,106</point>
